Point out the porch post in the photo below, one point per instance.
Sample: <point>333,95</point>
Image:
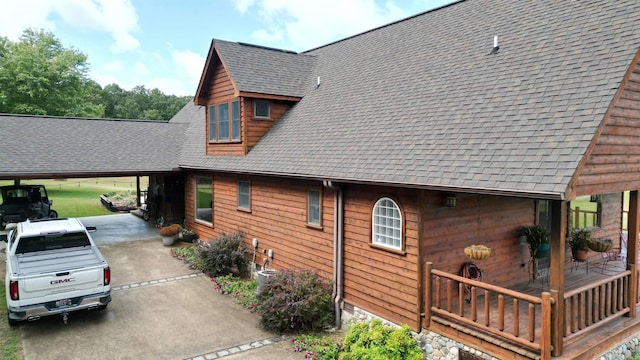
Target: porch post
<point>632,250</point>
<point>556,279</point>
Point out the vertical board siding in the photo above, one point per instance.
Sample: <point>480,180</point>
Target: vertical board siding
<point>614,163</point>
<point>278,219</point>
<point>380,281</point>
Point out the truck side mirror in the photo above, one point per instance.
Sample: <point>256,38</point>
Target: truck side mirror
<point>91,228</point>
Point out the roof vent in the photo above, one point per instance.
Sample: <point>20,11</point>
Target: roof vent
<point>495,46</point>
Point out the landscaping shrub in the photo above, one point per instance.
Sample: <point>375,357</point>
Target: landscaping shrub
<point>224,256</point>
<point>295,301</point>
<point>376,341</point>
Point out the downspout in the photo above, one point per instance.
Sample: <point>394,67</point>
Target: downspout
<point>338,245</point>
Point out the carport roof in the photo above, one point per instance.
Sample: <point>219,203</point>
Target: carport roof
<point>50,147</point>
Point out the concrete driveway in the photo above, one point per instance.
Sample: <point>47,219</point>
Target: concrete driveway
<point>161,309</point>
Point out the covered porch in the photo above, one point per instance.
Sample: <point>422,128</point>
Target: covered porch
<point>573,313</point>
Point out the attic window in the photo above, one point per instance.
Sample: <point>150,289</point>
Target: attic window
<point>261,109</point>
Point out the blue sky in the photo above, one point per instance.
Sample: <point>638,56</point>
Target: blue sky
<point>163,43</point>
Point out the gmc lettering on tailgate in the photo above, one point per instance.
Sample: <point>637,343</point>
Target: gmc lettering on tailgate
<point>62,281</point>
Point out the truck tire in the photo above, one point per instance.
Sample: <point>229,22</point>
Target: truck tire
<point>13,322</point>
<point>53,214</point>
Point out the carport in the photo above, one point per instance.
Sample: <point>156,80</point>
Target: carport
<point>68,148</point>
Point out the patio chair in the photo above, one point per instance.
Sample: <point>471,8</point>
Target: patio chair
<point>617,253</point>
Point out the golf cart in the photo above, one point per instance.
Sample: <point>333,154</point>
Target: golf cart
<point>21,202</point>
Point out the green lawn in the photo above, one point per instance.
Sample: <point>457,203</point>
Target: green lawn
<point>81,197</point>
<point>10,343</point>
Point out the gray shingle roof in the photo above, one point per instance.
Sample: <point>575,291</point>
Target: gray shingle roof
<point>40,146</point>
<point>420,102</point>
<point>266,71</point>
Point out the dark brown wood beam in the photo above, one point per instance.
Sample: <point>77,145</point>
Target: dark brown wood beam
<point>556,280</point>
<point>632,250</point>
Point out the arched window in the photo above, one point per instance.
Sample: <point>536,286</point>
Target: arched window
<point>386,224</point>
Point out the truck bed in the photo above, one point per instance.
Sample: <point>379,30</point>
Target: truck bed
<point>59,260</point>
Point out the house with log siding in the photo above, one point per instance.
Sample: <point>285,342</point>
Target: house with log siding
<point>378,159</point>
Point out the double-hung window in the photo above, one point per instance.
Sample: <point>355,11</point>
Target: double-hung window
<point>244,195</point>
<point>314,201</point>
<point>224,122</point>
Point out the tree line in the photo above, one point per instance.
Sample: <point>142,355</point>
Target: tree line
<point>38,76</point>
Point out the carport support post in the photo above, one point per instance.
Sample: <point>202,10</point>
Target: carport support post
<point>138,191</point>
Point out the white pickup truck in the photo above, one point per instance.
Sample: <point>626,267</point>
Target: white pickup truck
<point>54,267</point>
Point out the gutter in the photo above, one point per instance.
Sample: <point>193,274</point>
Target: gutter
<point>338,247</point>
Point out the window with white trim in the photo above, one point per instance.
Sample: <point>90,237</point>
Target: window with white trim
<point>313,207</point>
<point>386,224</point>
<point>244,195</point>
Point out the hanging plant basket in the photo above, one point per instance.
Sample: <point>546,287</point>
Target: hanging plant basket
<point>601,245</point>
<point>477,252</point>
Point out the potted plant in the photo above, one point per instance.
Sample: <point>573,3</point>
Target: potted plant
<point>537,237</point>
<point>170,234</point>
<point>579,240</point>
<point>188,235</point>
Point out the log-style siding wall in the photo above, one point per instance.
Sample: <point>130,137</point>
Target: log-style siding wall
<point>614,163</point>
<point>221,90</point>
<point>278,219</point>
<point>476,219</point>
<point>256,128</point>
<point>380,281</point>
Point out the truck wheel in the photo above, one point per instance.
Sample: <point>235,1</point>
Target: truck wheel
<point>13,322</point>
<point>53,214</point>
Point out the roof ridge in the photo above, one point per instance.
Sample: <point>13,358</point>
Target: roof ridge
<point>79,118</point>
<point>384,26</point>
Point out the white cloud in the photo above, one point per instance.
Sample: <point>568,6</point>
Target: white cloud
<point>243,5</point>
<point>169,86</point>
<point>116,17</point>
<point>140,68</point>
<point>189,64</point>
<point>105,79</point>
<point>114,66</point>
<point>300,22</point>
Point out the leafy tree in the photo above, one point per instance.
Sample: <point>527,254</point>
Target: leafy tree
<point>39,76</point>
<point>140,103</point>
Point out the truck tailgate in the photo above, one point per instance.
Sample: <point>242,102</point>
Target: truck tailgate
<point>47,275</point>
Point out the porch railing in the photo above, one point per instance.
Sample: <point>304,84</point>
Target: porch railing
<point>579,218</point>
<point>470,302</point>
<point>596,304</point>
